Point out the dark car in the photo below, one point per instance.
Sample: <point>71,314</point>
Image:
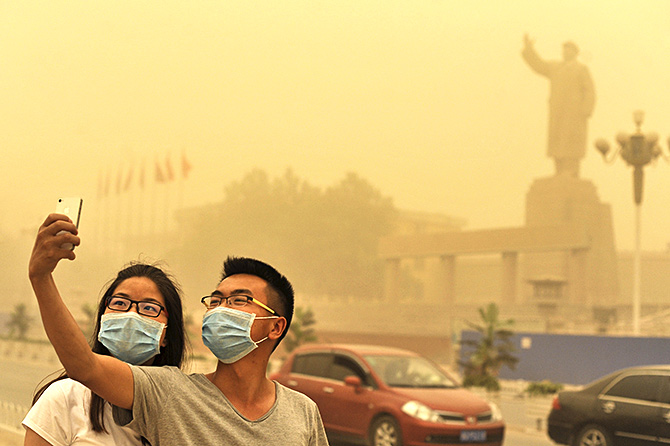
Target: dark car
<point>629,407</point>
<point>389,397</point>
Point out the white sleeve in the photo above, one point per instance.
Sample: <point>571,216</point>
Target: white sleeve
<point>50,417</point>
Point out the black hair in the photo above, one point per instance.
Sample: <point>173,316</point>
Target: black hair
<point>172,354</point>
<point>276,281</point>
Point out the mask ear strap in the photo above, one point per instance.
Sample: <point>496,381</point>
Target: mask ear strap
<point>265,317</point>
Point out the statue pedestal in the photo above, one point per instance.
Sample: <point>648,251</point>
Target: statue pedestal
<point>590,274</point>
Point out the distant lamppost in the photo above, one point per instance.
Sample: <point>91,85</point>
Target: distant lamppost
<point>637,150</point>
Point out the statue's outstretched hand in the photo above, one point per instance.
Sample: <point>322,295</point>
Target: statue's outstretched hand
<point>527,41</point>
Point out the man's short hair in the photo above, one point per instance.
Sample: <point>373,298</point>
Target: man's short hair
<point>276,281</point>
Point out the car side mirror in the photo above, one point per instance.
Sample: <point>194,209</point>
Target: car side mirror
<point>355,382</point>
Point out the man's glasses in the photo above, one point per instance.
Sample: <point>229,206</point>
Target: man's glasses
<point>145,308</point>
<point>236,301</point>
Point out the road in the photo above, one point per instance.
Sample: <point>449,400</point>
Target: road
<point>517,438</point>
<point>512,438</point>
<point>19,379</point>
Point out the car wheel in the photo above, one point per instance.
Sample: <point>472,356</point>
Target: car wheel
<point>385,431</point>
<point>593,435</point>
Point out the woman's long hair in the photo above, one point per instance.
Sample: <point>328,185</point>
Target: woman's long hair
<point>172,354</point>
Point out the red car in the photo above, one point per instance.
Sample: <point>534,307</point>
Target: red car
<point>384,396</point>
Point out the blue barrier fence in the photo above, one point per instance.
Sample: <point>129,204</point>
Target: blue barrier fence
<point>577,359</point>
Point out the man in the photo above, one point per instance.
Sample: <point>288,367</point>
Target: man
<point>571,102</point>
<point>248,315</point>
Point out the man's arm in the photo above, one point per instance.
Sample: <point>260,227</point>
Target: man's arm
<point>108,377</point>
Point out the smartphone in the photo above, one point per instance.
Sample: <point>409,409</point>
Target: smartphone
<point>70,206</point>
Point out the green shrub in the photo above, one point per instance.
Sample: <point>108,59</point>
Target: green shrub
<point>488,382</point>
<point>545,387</point>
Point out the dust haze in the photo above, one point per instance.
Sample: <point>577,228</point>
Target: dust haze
<point>430,101</point>
<point>149,110</point>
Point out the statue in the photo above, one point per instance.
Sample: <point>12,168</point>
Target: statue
<point>571,103</point>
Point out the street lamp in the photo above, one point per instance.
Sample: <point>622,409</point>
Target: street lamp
<point>637,150</point>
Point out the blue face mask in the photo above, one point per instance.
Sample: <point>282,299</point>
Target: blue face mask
<point>227,333</point>
<point>130,337</point>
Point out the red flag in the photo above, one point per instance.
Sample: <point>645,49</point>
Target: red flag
<point>119,177</point>
<point>185,165</point>
<point>160,178</point>
<point>129,179</point>
<point>168,168</point>
<point>108,182</point>
<point>141,178</point>
<point>101,185</point>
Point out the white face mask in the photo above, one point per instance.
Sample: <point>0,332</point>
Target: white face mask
<point>130,337</point>
<point>227,333</point>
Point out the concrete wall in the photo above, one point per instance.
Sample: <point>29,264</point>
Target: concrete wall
<point>572,359</point>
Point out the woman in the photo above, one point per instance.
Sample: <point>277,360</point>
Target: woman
<point>139,321</point>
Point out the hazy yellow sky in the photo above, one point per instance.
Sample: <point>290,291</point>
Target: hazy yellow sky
<point>427,99</point>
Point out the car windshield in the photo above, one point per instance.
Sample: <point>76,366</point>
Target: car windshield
<point>409,371</point>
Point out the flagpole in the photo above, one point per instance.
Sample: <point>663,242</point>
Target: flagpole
<point>185,169</point>
<point>140,199</point>
<point>100,218</point>
<point>169,190</point>
<point>128,199</point>
<point>117,234</point>
<point>154,185</point>
<point>106,223</point>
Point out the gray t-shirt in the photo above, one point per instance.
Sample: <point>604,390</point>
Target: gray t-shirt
<point>173,408</point>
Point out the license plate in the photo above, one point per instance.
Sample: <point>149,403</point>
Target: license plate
<point>473,436</point>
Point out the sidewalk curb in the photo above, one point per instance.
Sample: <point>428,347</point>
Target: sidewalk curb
<point>525,430</point>
<point>10,437</point>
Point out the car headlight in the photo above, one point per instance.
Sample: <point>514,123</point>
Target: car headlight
<point>421,411</point>
<point>496,414</point>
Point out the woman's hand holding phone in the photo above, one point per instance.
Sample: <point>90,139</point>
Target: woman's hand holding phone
<point>71,207</point>
<point>56,238</point>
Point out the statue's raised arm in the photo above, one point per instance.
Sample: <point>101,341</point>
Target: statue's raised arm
<point>529,54</point>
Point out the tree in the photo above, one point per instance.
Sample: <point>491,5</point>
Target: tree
<point>301,330</point>
<point>325,240</point>
<point>490,352</point>
<point>355,217</point>
<point>19,322</point>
